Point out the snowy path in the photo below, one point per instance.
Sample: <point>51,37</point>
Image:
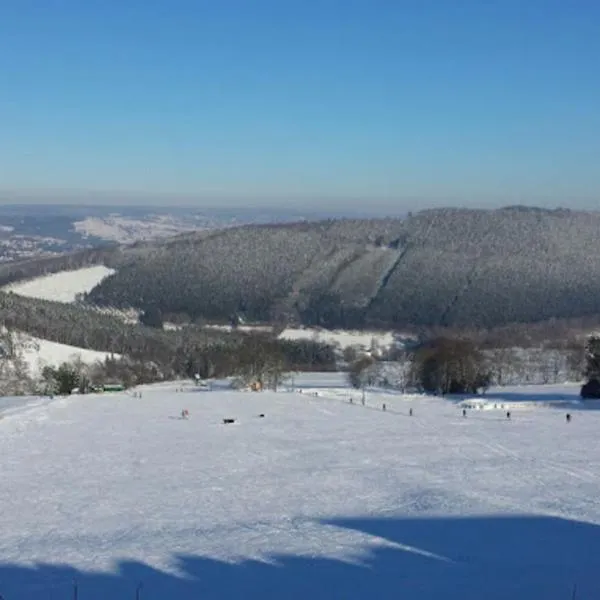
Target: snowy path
<point>319,499</point>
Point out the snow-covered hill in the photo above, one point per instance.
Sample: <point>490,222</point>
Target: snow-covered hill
<point>57,287</point>
<point>38,353</point>
<point>63,286</point>
<point>320,498</point>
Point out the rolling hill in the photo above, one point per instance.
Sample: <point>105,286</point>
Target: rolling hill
<point>449,267</point>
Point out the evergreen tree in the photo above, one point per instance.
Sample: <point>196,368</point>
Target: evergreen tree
<point>591,389</point>
<point>67,379</point>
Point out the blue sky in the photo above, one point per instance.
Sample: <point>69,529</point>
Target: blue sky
<point>392,102</point>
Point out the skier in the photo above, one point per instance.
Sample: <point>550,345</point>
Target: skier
<point>410,412</point>
<point>568,418</point>
<point>508,415</point>
<point>185,413</point>
<point>464,412</point>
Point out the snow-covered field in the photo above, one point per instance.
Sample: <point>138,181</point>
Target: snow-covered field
<point>319,499</point>
<point>342,338</point>
<point>126,230</point>
<point>63,286</point>
<point>38,353</point>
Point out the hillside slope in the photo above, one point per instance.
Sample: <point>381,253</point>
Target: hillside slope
<point>453,267</point>
<point>103,493</point>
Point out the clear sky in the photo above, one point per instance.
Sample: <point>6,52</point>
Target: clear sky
<point>404,103</point>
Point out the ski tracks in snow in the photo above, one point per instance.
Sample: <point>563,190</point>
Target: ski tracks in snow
<point>543,474</point>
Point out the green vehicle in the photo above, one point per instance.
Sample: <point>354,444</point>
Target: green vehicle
<point>113,387</point>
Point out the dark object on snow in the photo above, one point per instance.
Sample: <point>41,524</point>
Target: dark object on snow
<point>228,421</point>
<point>261,416</point>
<point>568,418</point>
<point>591,389</point>
<point>384,408</point>
<point>508,415</point>
<point>464,412</point>
<point>410,413</point>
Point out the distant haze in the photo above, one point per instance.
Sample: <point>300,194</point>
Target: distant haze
<point>312,206</point>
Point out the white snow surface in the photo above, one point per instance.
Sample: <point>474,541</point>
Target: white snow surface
<point>38,353</point>
<point>126,230</point>
<point>63,286</point>
<point>341,338</point>
<point>321,498</point>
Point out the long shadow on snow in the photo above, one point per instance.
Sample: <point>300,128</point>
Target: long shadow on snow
<point>496,558</point>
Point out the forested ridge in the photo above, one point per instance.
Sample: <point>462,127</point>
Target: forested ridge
<point>449,267</point>
<point>174,353</point>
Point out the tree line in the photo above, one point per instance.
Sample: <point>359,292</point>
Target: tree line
<point>255,359</point>
<point>140,354</point>
<point>458,365</point>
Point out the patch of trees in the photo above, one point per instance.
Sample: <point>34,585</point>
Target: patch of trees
<point>64,379</point>
<point>14,376</point>
<point>451,366</point>
<point>591,389</point>
<point>259,357</point>
<point>327,310</point>
<point>152,317</point>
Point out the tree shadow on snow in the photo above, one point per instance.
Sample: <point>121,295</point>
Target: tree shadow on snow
<point>492,558</point>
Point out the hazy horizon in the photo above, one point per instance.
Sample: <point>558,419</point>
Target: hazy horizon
<point>296,204</point>
<point>382,105</point>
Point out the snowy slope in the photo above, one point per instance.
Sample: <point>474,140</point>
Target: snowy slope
<point>319,499</point>
<point>58,287</point>
<point>38,353</point>
<point>63,286</point>
<point>341,338</point>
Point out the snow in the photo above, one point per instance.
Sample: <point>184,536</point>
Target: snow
<point>126,230</point>
<point>63,286</point>
<point>341,338</point>
<point>38,353</point>
<point>319,499</point>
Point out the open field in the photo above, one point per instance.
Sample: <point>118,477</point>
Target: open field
<point>63,286</point>
<point>319,499</point>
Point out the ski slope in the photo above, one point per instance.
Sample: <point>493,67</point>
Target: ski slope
<point>321,498</point>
